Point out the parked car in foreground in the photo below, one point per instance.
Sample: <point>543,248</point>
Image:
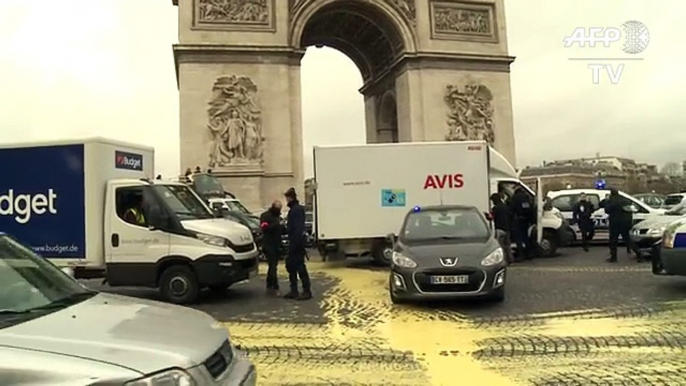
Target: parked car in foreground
<point>446,252</point>
<point>648,233</point>
<point>54,331</point>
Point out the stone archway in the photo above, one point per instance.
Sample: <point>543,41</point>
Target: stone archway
<point>387,119</point>
<point>433,70</point>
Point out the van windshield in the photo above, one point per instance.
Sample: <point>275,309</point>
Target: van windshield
<point>183,202</point>
<point>207,185</point>
<point>31,286</point>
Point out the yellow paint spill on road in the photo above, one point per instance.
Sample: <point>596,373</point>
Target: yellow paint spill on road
<point>368,340</point>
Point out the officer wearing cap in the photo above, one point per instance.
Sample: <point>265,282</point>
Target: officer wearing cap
<point>295,261</point>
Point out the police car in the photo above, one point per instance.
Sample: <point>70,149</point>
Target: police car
<point>671,257</point>
<point>565,200</point>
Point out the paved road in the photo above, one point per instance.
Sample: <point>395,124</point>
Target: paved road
<point>569,320</point>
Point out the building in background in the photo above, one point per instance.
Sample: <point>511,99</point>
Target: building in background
<point>622,173</point>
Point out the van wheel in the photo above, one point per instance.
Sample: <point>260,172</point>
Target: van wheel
<point>548,245</point>
<point>179,285</point>
<point>382,253</point>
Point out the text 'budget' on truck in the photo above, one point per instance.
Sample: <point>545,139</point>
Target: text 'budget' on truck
<point>91,206</point>
<point>363,192</point>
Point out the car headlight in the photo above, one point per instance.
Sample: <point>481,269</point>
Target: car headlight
<point>212,240</point>
<point>656,231</point>
<point>495,257</point>
<point>403,261</point>
<point>173,377</point>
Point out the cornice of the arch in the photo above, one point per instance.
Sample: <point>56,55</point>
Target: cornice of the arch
<point>300,12</point>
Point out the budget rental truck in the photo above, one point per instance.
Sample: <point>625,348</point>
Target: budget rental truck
<point>91,205</point>
<point>363,192</point>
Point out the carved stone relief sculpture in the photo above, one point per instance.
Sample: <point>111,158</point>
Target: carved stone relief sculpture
<point>406,8</point>
<point>463,21</point>
<point>234,14</point>
<point>471,113</point>
<point>235,123</point>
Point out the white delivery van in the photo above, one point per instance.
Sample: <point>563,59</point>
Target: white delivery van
<point>363,192</point>
<point>73,203</point>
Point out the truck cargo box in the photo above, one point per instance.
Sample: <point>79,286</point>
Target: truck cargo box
<point>364,191</point>
<point>52,196</point>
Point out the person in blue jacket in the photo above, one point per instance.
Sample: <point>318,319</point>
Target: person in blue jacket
<point>295,261</point>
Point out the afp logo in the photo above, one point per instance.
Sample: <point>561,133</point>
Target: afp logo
<point>128,161</point>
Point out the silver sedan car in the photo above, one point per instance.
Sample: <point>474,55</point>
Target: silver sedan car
<point>54,331</point>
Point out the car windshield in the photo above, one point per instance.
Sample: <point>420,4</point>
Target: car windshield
<point>678,210</point>
<point>207,186</point>
<point>183,202</point>
<point>31,286</point>
<point>236,206</point>
<point>462,223</point>
<point>672,200</point>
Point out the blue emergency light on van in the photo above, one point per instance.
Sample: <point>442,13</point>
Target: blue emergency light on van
<point>42,198</point>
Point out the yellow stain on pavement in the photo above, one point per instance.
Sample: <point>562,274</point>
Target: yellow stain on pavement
<point>369,341</point>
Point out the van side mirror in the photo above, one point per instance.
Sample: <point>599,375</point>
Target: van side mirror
<point>391,239</point>
<point>157,219</point>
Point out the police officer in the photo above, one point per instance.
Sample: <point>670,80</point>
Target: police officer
<point>522,211</point>
<point>270,223</point>
<point>582,212</point>
<point>502,221</point>
<point>295,261</point>
<point>620,215</point>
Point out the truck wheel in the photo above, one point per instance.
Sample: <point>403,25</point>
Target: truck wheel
<point>548,245</point>
<point>382,253</point>
<point>179,285</point>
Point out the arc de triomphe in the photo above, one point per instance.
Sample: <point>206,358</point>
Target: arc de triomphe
<point>433,70</point>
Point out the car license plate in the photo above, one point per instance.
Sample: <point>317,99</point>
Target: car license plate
<point>459,279</point>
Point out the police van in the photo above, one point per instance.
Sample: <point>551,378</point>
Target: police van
<point>91,206</point>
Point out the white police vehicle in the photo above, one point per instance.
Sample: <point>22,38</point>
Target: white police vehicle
<point>565,200</point>
<point>671,257</point>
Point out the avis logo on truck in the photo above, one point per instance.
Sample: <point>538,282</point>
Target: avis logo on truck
<point>22,206</point>
<point>129,161</point>
<point>452,181</point>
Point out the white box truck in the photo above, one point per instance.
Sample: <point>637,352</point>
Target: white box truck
<point>91,205</point>
<point>363,192</point>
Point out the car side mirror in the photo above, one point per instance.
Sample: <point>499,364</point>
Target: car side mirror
<point>391,239</point>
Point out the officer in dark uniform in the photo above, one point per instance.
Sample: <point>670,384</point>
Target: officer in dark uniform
<point>295,261</point>
<point>620,216</point>
<point>522,210</point>
<point>582,216</point>
<point>270,223</point>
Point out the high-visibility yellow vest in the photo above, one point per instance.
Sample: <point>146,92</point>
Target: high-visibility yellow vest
<point>140,219</point>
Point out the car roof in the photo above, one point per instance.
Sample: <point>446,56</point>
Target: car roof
<point>445,207</point>
<point>578,191</point>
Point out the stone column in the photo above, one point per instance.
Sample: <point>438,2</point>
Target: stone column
<point>226,93</point>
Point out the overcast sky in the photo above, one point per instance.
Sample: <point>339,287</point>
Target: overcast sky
<point>74,68</point>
